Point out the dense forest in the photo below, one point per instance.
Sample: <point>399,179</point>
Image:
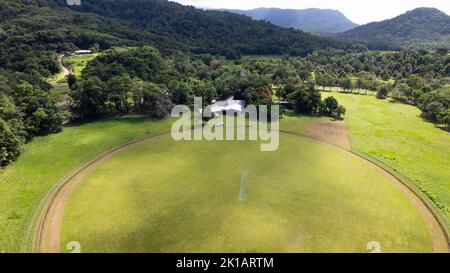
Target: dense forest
<point>33,32</point>
<point>214,32</point>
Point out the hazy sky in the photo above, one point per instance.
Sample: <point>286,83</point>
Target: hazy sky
<point>359,11</point>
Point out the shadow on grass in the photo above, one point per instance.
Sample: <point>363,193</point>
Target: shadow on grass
<point>292,114</point>
<point>129,119</point>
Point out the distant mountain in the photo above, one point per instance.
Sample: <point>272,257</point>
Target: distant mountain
<point>313,20</point>
<point>205,31</point>
<point>419,28</point>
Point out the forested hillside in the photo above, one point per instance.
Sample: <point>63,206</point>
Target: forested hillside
<point>419,28</point>
<point>32,33</point>
<point>313,20</point>
<point>203,31</point>
<point>181,64</point>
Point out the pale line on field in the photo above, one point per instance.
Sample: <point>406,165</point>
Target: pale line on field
<point>243,188</point>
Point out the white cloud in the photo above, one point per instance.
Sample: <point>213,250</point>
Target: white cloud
<point>359,11</point>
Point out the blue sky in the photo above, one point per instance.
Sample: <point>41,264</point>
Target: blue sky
<point>359,11</point>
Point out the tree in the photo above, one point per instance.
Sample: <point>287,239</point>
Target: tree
<point>400,92</point>
<point>10,144</point>
<point>444,117</point>
<point>72,82</point>
<point>90,99</point>
<point>330,107</point>
<point>361,83</point>
<point>180,92</point>
<point>118,88</point>
<point>41,115</point>
<point>206,90</point>
<point>382,92</point>
<point>330,104</point>
<point>292,84</point>
<point>306,99</point>
<point>151,99</point>
<point>347,84</point>
<point>338,112</point>
<point>226,84</point>
<point>435,104</point>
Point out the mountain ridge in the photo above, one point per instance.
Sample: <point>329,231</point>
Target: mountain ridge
<point>418,28</point>
<point>206,31</point>
<point>311,19</point>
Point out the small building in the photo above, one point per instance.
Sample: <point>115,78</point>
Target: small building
<point>83,52</point>
<point>230,106</point>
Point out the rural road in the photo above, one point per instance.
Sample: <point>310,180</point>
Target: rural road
<point>48,230</point>
<point>65,69</point>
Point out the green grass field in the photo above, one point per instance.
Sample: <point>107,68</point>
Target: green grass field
<point>167,196</point>
<point>58,79</point>
<point>78,63</point>
<point>391,133</point>
<point>395,134</point>
<point>45,160</point>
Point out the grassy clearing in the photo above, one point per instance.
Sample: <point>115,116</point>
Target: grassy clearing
<point>45,160</point>
<point>58,79</point>
<point>395,134</point>
<point>78,63</point>
<point>184,197</point>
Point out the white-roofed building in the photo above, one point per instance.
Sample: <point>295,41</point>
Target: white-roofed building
<point>83,52</point>
<point>230,106</point>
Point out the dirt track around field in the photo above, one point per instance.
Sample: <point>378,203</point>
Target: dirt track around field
<point>48,233</point>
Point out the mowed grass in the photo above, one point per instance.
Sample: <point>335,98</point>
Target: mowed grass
<point>78,63</point>
<point>47,159</point>
<point>396,135</point>
<point>167,196</point>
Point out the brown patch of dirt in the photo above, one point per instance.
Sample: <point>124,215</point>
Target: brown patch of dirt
<point>329,131</point>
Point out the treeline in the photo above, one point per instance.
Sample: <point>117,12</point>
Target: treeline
<point>140,80</point>
<point>26,110</point>
<point>420,78</point>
